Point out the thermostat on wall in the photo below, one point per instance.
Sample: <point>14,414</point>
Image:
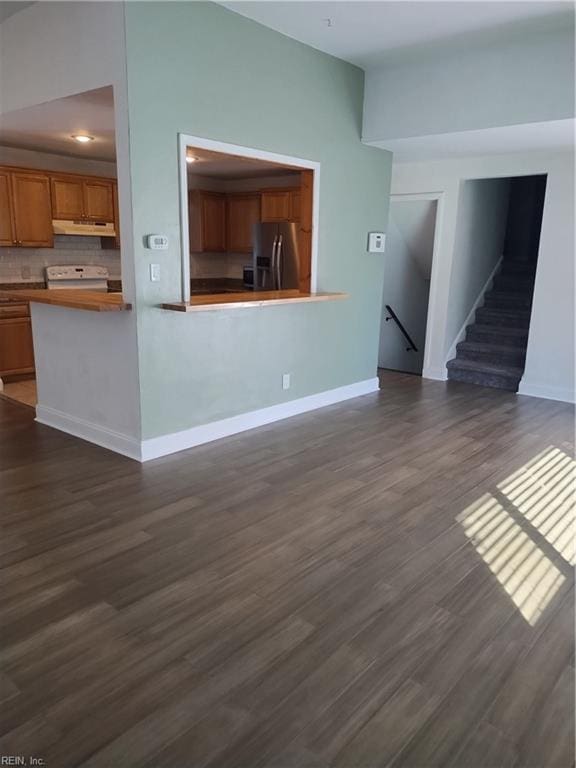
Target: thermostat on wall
<point>157,242</point>
<point>376,242</point>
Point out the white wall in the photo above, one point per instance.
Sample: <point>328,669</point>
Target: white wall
<point>406,290</point>
<point>478,247</point>
<point>550,356</point>
<point>49,51</point>
<point>481,81</point>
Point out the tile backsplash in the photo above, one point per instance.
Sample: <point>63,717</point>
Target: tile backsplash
<point>19,265</point>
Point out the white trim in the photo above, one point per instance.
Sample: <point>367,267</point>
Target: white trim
<point>460,336</point>
<point>437,374</point>
<point>155,447</point>
<point>185,140</point>
<point>563,394</point>
<point>86,430</point>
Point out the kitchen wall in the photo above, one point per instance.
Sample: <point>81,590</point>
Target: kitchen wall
<point>28,264</point>
<point>231,264</point>
<point>275,94</point>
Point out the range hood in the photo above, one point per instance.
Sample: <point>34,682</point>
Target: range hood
<point>87,228</point>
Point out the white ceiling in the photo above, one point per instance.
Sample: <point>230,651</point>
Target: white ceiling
<point>219,165</point>
<point>553,135</point>
<point>361,32</point>
<point>48,127</point>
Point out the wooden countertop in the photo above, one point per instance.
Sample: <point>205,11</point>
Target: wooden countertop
<point>94,301</point>
<point>248,299</point>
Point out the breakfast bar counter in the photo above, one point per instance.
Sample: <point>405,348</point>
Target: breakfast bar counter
<point>201,303</point>
<point>94,301</point>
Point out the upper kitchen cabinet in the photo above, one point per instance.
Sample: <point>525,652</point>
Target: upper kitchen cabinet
<point>98,200</point>
<point>207,223</point>
<point>25,218</point>
<point>7,235</point>
<point>243,211</point>
<point>281,204</point>
<point>76,197</point>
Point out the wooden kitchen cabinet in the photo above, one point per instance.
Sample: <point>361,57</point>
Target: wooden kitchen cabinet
<point>16,347</point>
<point>82,198</point>
<point>207,221</point>
<point>25,218</point>
<point>281,205</point>
<point>243,211</point>
<point>7,234</point>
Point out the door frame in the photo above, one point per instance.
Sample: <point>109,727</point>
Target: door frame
<point>185,140</point>
<point>438,197</point>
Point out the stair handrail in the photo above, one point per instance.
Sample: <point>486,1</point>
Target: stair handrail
<point>393,316</point>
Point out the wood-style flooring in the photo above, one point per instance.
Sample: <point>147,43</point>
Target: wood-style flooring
<point>384,582</point>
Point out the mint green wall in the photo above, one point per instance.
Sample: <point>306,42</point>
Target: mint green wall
<point>199,69</point>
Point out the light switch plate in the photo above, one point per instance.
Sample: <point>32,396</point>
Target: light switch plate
<point>376,242</point>
<point>155,272</point>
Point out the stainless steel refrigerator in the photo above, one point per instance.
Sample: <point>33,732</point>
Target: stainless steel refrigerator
<point>276,256</point>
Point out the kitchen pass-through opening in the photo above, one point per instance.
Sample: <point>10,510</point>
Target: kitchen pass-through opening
<point>248,219</point>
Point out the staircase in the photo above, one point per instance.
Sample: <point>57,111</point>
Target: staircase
<point>494,351</point>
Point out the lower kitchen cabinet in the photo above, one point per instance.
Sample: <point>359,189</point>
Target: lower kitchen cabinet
<point>16,347</point>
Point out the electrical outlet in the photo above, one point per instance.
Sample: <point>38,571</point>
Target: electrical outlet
<point>286,381</point>
<point>155,273</point>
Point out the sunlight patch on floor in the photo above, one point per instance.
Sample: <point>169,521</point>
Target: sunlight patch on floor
<point>512,527</point>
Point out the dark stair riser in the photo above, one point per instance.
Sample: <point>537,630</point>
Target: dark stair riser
<point>493,334</point>
<point>510,301</point>
<point>506,318</point>
<point>502,381</point>
<point>491,354</point>
<point>514,283</point>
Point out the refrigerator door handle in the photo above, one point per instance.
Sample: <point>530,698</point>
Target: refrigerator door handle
<point>272,272</point>
<point>278,263</point>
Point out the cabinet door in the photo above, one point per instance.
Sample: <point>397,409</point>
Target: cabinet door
<point>295,205</point>
<point>276,206</point>
<point>116,216</point>
<point>16,349</point>
<point>242,213</point>
<point>67,198</point>
<point>213,222</point>
<point>98,200</point>
<point>32,210</point>
<point>7,234</point>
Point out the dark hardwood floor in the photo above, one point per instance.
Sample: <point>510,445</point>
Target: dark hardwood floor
<point>385,582</point>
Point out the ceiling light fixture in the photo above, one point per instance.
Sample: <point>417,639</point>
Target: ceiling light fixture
<point>190,159</point>
<point>82,138</point>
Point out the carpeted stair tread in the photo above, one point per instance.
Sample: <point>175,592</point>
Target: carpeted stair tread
<point>510,317</point>
<point>473,365</point>
<point>507,300</point>
<point>484,374</point>
<point>497,334</point>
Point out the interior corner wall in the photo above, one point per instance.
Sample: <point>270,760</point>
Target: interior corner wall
<point>482,81</point>
<point>550,361</point>
<point>218,75</point>
<point>48,51</point>
<point>478,247</point>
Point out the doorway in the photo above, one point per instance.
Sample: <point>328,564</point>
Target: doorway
<point>407,272</point>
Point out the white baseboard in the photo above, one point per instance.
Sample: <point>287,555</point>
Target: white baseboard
<point>155,447</point>
<point>461,335</point>
<point>86,430</point>
<point>563,394</point>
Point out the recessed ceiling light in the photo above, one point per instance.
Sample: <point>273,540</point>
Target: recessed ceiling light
<point>82,138</point>
<point>190,159</point>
